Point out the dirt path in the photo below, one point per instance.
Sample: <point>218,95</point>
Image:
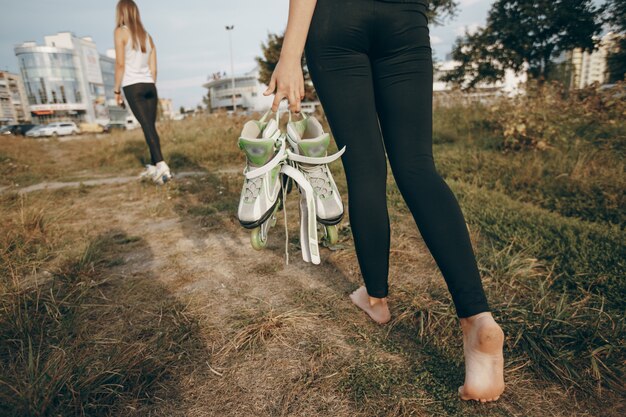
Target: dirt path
<point>56,185</point>
<point>281,340</point>
<point>236,290</point>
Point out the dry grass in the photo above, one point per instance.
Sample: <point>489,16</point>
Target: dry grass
<point>202,143</point>
<point>68,345</point>
<point>258,330</point>
<point>87,329</point>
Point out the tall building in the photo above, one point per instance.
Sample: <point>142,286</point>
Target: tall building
<point>13,101</point>
<point>65,79</point>
<point>248,93</point>
<point>591,67</point>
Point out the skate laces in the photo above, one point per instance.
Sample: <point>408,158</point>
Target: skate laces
<point>318,178</point>
<point>252,188</point>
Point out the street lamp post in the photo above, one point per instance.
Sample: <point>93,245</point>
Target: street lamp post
<point>230,29</point>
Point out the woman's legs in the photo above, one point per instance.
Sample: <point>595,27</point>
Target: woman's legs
<point>403,80</point>
<point>143,101</point>
<point>368,68</point>
<point>381,51</point>
<point>402,72</point>
<point>341,71</point>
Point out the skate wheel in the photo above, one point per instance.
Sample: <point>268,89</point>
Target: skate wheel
<point>257,239</point>
<point>332,234</point>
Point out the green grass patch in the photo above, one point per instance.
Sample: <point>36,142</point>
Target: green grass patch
<point>586,257</point>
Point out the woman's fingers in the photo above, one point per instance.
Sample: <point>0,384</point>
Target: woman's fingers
<point>294,101</point>
<point>277,99</point>
<point>284,86</point>
<point>272,87</point>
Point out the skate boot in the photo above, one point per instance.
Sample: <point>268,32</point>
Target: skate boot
<point>260,196</point>
<point>309,153</point>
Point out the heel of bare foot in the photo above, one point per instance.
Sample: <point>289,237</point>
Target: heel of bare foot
<point>483,340</point>
<point>376,308</point>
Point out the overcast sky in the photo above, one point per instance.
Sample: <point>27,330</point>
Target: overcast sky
<point>189,34</point>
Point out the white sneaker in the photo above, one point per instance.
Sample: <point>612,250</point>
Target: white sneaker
<point>161,173</point>
<point>148,173</point>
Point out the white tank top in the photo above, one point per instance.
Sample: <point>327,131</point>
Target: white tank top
<point>136,68</point>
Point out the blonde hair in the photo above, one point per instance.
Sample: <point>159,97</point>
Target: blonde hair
<point>127,14</point>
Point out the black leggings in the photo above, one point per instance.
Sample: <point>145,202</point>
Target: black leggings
<point>143,101</point>
<point>371,64</point>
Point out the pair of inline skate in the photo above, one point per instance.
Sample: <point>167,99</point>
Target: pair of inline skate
<point>274,161</point>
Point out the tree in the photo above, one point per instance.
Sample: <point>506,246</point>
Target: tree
<point>524,35</point>
<point>267,64</point>
<point>615,11</point>
<point>206,99</point>
<point>439,11</point>
<point>615,14</point>
<point>474,53</point>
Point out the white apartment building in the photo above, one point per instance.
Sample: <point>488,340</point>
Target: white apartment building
<point>13,101</point>
<point>248,93</point>
<point>591,67</point>
<point>66,78</point>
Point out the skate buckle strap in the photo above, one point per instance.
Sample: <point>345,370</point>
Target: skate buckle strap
<point>308,216</point>
<point>315,160</point>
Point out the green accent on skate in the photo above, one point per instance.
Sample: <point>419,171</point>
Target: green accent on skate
<point>332,234</point>
<point>300,126</point>
<point>274,176</point>
<point>258,151</point>
<point>315,147</point>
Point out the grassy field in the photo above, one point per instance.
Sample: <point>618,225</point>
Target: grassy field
<point>136,300</point>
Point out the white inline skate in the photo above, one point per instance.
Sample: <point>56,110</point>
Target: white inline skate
<point>261,193</point>
<point>309,155</point>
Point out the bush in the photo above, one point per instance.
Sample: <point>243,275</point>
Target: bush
<point>550,115</point>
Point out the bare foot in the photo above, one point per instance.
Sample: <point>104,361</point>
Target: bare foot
<point>484,363</point>
<point>376,308</point>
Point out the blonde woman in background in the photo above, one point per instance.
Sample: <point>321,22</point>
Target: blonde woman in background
<point>136,73</point>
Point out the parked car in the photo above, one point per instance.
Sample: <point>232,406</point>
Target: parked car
<point>59,129</point>
<point>16,129</point>
<point>34,132</point>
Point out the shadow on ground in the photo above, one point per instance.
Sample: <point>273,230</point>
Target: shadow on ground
<point>97,337</point>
